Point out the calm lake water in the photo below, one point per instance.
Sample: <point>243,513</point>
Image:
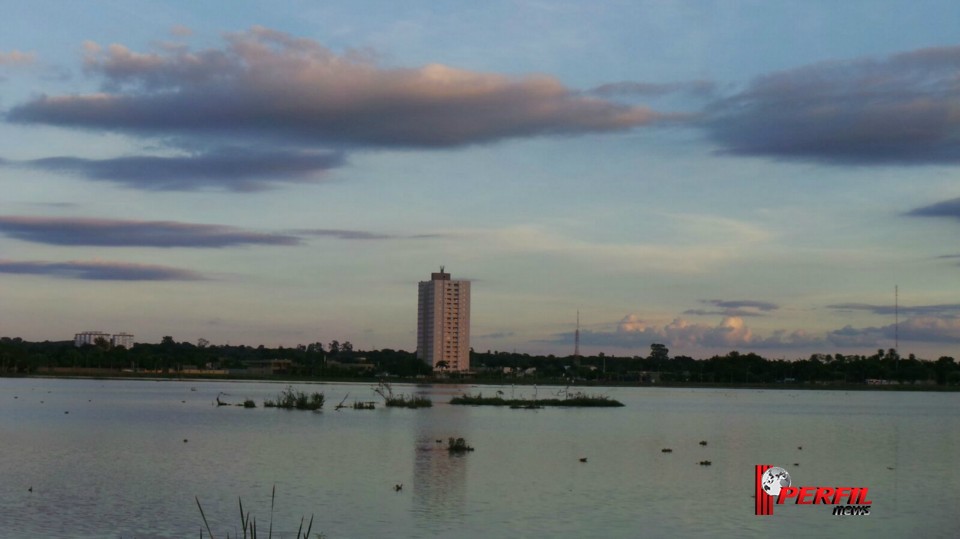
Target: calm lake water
<point>130,457</point>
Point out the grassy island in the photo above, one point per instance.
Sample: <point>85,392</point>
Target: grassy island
<point>390,400</point>
<point>291,399</point>
<point>402,401</point>
<point>458,445</point>
<point>575,399</point>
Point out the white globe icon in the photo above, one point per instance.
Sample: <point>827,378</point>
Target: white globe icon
<point>773,480</point>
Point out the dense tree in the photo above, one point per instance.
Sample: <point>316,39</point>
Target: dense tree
<point>22,357</point>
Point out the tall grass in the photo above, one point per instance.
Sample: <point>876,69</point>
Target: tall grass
<point>385,390</point>
<point>292,399</point>
<point>249,524</point>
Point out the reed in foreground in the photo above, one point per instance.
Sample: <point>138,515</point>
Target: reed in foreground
<point>249,524</point>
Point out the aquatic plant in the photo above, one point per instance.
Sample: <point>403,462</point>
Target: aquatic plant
<point>293,399</point>
<point>249,524</point>
<point>402,401</point>
<point>385,390</point>
<point>574,400</point>
<point>458,445</point>
<point>249,403</point>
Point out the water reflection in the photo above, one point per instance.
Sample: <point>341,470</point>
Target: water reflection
<point>439,481</point>
<point>439,476</point>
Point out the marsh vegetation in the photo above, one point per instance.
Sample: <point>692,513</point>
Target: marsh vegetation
<point>571,399</point>
<point>292,399</point>
<point>392,400</point>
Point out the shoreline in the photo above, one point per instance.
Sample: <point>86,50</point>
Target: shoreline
<point>433,381</point>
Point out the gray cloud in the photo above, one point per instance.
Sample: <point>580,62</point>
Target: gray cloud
<point>345,234</point>
<point>265,82</point>
<point>342,234</point>
<point>896,110</point>
<point>941,329</point>
<point>497,335</point>
<point>738,308</point>
<point>731,333</point>
<point>99,271</point>
<point>947,208</point>
<point>121,233</point>
<point>234,169</point>
<point>948,309</point>
<point>696,88</point>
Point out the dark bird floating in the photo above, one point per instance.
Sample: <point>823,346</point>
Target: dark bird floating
<point>398,487</point>
<point>583,459</point>
<point>666,450</point>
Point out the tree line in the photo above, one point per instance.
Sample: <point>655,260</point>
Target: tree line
<point>340,360</point>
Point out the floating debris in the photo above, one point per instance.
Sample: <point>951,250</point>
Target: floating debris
<point>705,463</point>
<point>703,442</point>
<point>666,450</point>
<point>398,487</point>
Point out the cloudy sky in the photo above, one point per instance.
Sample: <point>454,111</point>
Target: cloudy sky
<point>714,176</point>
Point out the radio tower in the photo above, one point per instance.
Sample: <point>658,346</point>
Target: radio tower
<point>576,342</point>
<point>896,321</point>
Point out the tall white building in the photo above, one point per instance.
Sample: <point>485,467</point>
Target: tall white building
<point>443,322</point>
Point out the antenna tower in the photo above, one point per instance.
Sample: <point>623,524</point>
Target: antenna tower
<point>896,319</point>
<point>576,342</point>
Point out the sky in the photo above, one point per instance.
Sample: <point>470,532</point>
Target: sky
<point>769,177</point>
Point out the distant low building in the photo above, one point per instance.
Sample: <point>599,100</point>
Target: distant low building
<point>268,366</point>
